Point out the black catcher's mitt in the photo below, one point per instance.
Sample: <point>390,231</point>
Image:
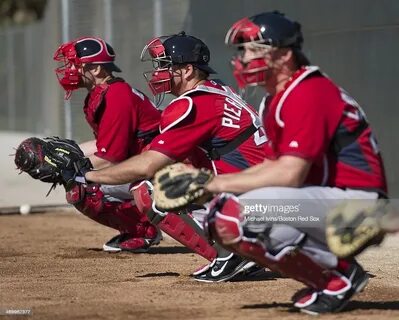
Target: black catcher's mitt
<point>178,185</point>
<point>52,160</point>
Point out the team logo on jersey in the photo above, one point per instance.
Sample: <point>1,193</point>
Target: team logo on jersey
<point>293,144</point>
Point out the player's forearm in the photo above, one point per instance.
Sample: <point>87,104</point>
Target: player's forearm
<point>142,166</point>
<point>121,173</point>
<point>274,173</point>
<point>99,163</point>
<point>88,147</point>
<point>259,167</point>
<point>235,183</point>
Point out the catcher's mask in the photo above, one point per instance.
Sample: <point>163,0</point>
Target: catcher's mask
<point>72,55</point>
<point>167,51</point>
<point>265,31</point>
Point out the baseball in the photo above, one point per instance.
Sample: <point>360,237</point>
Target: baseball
<point>24,209</point>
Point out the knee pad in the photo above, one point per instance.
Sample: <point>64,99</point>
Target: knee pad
<point>122,216</point>
<point>88,199</point>
<point>142,195</point>
<point>224,223</point>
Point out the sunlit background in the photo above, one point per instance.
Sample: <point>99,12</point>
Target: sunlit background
<point>356,42</point>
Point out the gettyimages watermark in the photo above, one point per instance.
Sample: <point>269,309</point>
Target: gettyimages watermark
<point>300,213</point>
<point>297,213</point>
<point>15,312</point>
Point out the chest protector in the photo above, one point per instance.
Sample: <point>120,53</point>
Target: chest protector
<point>95,103</point>
<point>184,107</point>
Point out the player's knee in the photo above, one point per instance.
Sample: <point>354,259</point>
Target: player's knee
<point>76,194</point>
<point>224,222</point>
<point>281,236</point>
<point>88,199</point>
<point>142,196</point>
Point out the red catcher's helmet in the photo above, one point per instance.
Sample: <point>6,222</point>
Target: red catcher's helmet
<point>73,54</point>
<point>265,30</point>
<point>166,51</point>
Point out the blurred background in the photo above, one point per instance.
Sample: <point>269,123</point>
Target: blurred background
<point>356,42</point>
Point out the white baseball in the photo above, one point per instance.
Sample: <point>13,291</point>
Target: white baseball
<point>24,209</point>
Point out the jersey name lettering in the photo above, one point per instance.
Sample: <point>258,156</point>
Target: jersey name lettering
<point>231,114</point>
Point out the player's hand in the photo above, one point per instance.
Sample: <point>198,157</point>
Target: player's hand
<point>178,185</point>
<point>53,160</point>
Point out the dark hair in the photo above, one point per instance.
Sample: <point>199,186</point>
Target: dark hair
<point>107,67</point>
<point>202,74</point>
<point>300,58</point>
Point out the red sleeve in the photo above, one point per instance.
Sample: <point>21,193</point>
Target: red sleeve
<point>269,151</point>
<point>179,140</point>
<point>117,126</point>
<point>310,114</point>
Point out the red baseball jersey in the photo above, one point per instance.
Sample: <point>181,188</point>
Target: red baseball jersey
<point>210,116</point>
<point>123,120</point>
<point>314,119</point>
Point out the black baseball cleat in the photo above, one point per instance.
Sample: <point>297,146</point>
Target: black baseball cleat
<point>336,296</point>
<point>225,269</point>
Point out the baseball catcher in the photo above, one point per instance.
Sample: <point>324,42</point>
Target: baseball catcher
<point>194,126</point>
<point>309,155</point>
<point>123,121</point>
<point>53,160</point>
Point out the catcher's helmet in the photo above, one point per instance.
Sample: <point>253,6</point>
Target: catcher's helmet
<point>96,51</point>
<point>177,49</point>
<point>184,49</point>
<point>73,54</point>
<point>267,30</point>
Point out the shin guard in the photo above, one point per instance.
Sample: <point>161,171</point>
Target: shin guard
<point>290,261</point>
<point>176,226</point>
<point>180,230</point>
<point>225,224</point>
<point>122,216</point>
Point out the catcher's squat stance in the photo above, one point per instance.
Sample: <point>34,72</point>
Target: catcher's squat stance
<point>123,121</point>
<point>208,123</point>
<point>319,147</point>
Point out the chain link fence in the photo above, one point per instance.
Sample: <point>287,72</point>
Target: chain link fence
<point>359,51</point>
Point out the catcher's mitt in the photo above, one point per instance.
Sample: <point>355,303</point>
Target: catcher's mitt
<point>52,160</point>
<point>179,185</point>
<point>355,225</point>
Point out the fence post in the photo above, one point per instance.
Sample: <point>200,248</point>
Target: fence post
<point>65,38</point>
<point>158,23</point>
<point>107,5</point>
<point>12,111</point>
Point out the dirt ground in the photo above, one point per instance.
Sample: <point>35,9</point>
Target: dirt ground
<point>51,263</point>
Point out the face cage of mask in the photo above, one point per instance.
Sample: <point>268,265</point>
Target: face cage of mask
<point>160,78</point>
<point>68,77</point>
<point>252,73</point>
